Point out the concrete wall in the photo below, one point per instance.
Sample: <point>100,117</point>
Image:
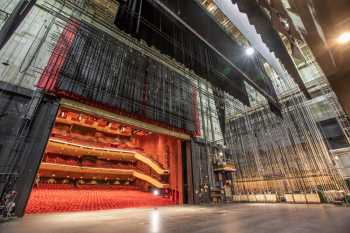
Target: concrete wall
<point>24,57</point>
<point>6,8</point>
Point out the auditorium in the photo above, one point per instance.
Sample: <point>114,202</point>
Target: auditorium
<point>91,163</point>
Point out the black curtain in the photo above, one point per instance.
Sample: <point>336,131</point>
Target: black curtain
<point>103,70</point>
<point>162,23</point>
<point>155,26</point>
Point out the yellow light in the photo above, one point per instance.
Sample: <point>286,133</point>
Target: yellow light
<point>344,38</point>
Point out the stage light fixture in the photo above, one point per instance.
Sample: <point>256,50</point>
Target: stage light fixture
<point>344,38</point>
<point>249,51</point>
<point>156,192</point>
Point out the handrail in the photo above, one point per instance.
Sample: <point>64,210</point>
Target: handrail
<point>74,105</point>
<point>105,153</point>
<point>106,171</point>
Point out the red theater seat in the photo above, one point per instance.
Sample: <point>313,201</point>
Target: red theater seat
<point>50,198</point>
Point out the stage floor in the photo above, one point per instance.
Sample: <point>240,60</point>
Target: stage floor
<point>239,218</point>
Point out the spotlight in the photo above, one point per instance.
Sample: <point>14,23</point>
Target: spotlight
<point>344,38</point>
<point>249,51</point>
<point>156,192</point>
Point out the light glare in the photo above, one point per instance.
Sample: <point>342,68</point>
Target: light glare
<point>344,38</point>
<point>249,51</point>
<point>155,192</point>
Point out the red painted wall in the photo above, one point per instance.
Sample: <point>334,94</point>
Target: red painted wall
<point>167,151</point>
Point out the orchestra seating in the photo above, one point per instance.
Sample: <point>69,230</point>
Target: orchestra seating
<point>49,198</point>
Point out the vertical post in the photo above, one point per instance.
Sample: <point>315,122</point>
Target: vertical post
<point>189,175</point>
<point>14,20</point>
<point>210,159</point>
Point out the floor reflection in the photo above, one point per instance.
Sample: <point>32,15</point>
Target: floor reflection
<point>155,221</point>
<point>237,218</point>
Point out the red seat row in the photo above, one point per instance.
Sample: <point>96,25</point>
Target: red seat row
<point>66,198</point>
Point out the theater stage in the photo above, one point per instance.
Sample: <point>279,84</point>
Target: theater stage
<point>239,218</point>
